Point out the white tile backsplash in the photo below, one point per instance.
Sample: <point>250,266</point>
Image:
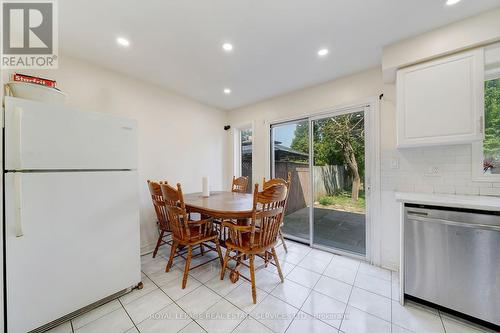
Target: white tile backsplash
<point>489,191</point>
<point>444,170</point>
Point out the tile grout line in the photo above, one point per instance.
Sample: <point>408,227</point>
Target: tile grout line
<point>108,302</point>
<point>133,323</point>
<point>442,321</point>
<point>311,290</point>
<point>267,295</point>
<point>352,287</point>
<point>349,298</point>
<point>391,299</point>
<point>248,317</point>
<point>333,278</point>
<point>175,302</point>
<point>322,274</point>
<point>222,297</point>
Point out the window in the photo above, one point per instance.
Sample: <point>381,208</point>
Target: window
<point>486,154</point>
<point>491,143</point>
<point>243,154</point>
<point>246,156</point>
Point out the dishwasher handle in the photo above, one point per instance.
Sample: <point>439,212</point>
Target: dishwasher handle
<point>454,223</point>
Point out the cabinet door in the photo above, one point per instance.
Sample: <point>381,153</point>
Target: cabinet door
<point>441,102</point>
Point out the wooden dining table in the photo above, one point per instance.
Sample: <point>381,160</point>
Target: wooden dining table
<point>220,205</point>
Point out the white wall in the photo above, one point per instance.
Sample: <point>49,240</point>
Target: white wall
<point>179,140</point>
<point>468,33</point>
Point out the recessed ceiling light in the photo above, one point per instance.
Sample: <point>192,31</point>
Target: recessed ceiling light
<point>227,91</point>
<point>452,2</point>
<point>323,52</point>
<point>228,47</point>
<point>123,41</point>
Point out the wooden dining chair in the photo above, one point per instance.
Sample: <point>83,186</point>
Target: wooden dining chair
<point>259,238</point>
<point>239,184</point>
<point>164,229</point>
<point>287,183</point>
<point>186,233</point>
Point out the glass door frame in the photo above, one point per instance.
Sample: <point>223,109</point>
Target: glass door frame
<point>332,114</point>
<point>372,174</point>
<point>273,166</point>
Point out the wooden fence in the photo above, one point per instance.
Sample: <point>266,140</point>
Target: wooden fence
<point>327,180</point>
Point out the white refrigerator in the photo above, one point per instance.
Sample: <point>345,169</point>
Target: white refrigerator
<point>71,211</point>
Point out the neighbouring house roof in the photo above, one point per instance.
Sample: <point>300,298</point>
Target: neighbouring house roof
<point>282,153</point>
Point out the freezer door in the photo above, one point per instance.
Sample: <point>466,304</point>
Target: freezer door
<point>72,239</point>
<point>40,136</point>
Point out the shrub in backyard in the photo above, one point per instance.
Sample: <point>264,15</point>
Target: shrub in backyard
<point>326,200</point>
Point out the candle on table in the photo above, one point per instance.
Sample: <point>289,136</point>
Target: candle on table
<point>205,187</point>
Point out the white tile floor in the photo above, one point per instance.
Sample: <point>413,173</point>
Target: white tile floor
<point>322,292</point>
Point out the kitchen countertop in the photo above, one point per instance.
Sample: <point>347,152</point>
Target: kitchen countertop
<point>451,200</point>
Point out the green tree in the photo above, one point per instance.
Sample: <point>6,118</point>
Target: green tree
<point>337,141</point>
<point>492,119</point>
<point>300,140</point>
<point>343,138</point>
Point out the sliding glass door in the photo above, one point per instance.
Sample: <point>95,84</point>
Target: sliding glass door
<point>326,156</point>
<point>290,153</point>
<point>338,184</point>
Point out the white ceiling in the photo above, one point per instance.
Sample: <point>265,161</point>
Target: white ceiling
<point>177,43</point>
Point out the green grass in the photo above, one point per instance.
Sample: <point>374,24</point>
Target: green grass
<point>343,201</point>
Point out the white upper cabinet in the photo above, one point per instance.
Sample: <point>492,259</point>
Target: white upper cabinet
<point>441,102</point>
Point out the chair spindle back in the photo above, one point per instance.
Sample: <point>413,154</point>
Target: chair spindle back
<point>239,185</point>
<point>176,211</point>
<point>159,204</point>
<point>268,209</point>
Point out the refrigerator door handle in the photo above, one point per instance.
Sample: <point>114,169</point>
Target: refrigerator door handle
<point>19,206</point>
<point>19,134</point>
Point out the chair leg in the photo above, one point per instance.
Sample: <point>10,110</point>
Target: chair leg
<point>252,278</point>
<point>275,256</point>
<point>186,268</point>
<point>283,241</point>
<point>217,247</point>
<point>160,237</point>
<point>173,248</point>
<point>224,264</point>
<point>201,250</point>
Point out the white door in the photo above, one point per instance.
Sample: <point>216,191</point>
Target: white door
<point>42,136</point>
<point>72,238</point>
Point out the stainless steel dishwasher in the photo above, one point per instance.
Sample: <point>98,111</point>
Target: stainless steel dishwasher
<point>452,259</point>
